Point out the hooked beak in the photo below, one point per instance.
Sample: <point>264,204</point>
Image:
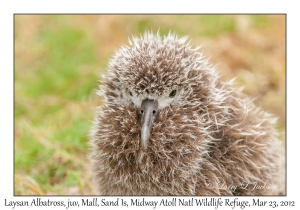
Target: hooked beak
<point>148,113</point>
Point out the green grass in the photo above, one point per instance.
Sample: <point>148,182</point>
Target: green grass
<point>50,114</point>
<point>58,62</point>
<point>213,25</point>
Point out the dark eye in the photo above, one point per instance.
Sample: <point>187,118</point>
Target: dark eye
<point>172,94</point>
<point>130,93</point>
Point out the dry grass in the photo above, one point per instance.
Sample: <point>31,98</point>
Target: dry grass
<point>59,58</point>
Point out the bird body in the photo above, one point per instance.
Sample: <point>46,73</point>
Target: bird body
<point>169,126</point>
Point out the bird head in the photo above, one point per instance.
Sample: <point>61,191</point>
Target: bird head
<point>157,97</point>
<point>155,75</point>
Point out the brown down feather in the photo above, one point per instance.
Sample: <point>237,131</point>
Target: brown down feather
<point>208,140</point>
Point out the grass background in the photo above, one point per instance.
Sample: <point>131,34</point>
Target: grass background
<point>58,62</point>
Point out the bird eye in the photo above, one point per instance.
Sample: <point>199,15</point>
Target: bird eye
<point>130,93</point>
<point>172,94</point>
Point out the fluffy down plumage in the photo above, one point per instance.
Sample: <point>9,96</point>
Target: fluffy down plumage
<point>207,139</point>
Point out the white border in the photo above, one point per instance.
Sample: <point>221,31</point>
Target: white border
<point>8,8</point>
